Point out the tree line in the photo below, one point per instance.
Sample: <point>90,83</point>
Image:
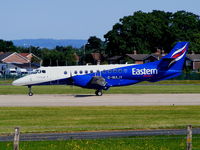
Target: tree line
<point>141,31</point>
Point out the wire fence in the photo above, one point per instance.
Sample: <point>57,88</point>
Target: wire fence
<point>9,77</point>
<point>187,138</point>
<point>188,76</point>
<point>4,130</point>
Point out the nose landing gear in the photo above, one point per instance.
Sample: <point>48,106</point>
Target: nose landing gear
<point>98,92</point>
<point>30,93</point>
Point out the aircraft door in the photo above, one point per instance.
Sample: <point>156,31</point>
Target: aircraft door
<point>70,77</point>
<point>98,73</point>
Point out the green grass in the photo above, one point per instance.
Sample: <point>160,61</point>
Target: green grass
<point>134,89</point>
<point>138,143</point>
<point>167,86</point>
<point>2,81</point>
<point>66,119</point>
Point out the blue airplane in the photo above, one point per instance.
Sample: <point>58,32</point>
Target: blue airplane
<point>102,77</point>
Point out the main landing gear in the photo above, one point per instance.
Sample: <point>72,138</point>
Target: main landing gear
<point>98,92</point>
<point>30,93</point>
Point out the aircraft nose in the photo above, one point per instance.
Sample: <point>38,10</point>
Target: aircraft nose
<point>18,82</point>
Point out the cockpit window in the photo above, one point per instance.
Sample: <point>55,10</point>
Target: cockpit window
<point>33,72</point>
<point>38,71</point>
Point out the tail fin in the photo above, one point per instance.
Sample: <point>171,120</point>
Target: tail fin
<point>176,58</point>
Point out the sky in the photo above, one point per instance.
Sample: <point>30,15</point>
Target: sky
<point>75,19</point>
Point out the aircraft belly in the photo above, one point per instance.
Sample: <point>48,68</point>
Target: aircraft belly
<point>121,82</point>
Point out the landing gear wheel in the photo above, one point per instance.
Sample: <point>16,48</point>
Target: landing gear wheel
<point>30,93</point>
<point>99,93</point>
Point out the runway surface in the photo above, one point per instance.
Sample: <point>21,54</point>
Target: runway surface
<point>97,135</point>
<point>105,100</point>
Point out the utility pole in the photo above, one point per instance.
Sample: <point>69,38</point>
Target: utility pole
<point>30,59</point>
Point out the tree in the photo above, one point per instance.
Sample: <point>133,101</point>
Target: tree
<point>60,56</point>
<point>94,44</point>
<point>145,32</point>
<point>7,46</point>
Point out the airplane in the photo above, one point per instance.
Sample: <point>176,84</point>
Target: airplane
<point>103,77</point>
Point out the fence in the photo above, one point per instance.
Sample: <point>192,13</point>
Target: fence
<point>188,76</point>
<point>9,77</point>
<point>160,137</point>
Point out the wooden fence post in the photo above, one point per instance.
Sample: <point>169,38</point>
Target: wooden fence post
<point>16,139</point>
<point>189,137</point>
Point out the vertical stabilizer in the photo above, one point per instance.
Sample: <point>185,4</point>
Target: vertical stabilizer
<point>176,57</point>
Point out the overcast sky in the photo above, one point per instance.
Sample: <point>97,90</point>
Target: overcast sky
<point>75,19</point>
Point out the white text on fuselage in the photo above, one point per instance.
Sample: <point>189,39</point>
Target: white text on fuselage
<point>144,71</point>
<point>114,77</point>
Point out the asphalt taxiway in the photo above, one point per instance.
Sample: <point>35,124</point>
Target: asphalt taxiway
<point>105,100</point>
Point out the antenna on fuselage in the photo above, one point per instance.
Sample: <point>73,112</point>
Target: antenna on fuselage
<point>30,67</point>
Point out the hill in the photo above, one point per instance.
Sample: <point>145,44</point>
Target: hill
<point>49,43</point>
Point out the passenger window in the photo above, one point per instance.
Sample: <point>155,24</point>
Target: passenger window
<point>120,70</point>
<point>104,71</point>
<point>114,70</point>
<point>75,72</point>
<point>86,71</point>
<point>125,70</point>
<point>80,71</point>
<point>98,71</point>
<point>43,71</point>
<point>91,71</point>
<point>65,72</point>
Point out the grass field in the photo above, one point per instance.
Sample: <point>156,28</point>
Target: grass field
<point>134,89</point>
<point>66,119</point>
<point>2,81</point>
<point>167,86</point>
<point>138,143</point>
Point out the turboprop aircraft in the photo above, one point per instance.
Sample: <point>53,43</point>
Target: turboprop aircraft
<point>102,77</point>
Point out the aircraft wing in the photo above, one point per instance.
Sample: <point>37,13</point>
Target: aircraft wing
<point>88,81</point>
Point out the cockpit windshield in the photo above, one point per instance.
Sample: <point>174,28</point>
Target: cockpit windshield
<point>38,71</point>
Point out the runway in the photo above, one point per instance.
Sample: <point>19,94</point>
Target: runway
<point>105,100</point>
